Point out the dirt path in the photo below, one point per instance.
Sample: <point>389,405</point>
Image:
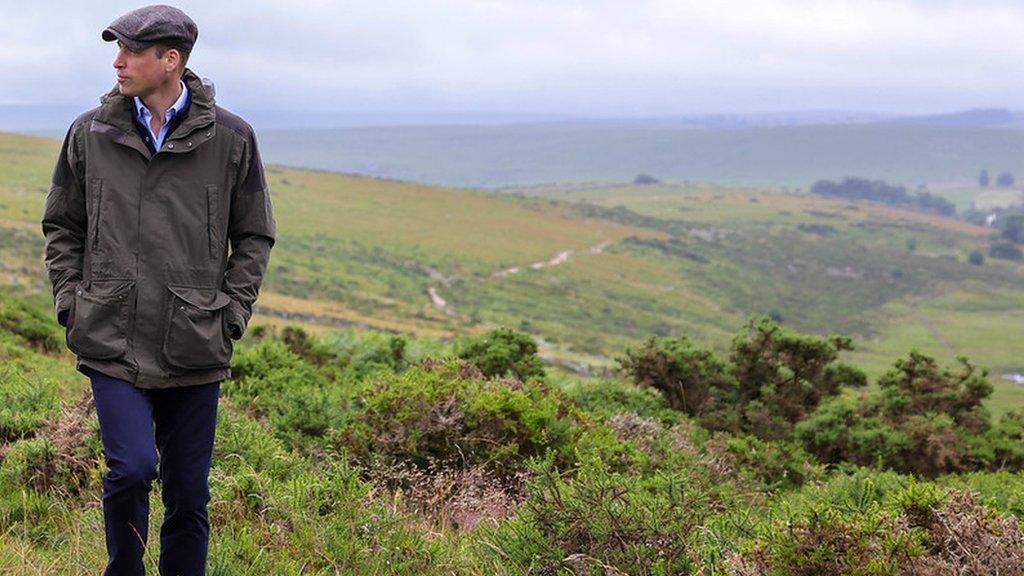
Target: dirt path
<point>560,258</point>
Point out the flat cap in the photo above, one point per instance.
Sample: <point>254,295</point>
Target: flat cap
<point>157,24</point>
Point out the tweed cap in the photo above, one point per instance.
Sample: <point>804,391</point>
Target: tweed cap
<point>158,24</point>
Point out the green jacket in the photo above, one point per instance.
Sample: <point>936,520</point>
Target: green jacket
<point>137,243</point>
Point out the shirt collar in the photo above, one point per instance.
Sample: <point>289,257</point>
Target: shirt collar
<point>142,112</point>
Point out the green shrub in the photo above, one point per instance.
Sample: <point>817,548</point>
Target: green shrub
<point>916,386</point>
<point>596,521</point>
<point>300,402</point>
<point>283,514</point>
<point>37,329</point>
<point>774,377</point>
<point>63,457</point>
<point>447,413</point>
<point>844,430</point>
<point>1002,490</point>
<point>1002,447</point>
<point>243,440</point>
<point>924,420</point>
<point>24,405</point>
<point>771,464</point>
<point>609,397</point>
<point>502,352</point>
<point>782,376</point>
<point>307,347</point>
<point>870,525</point>
<point>689,378</point>
<point>362,354</point>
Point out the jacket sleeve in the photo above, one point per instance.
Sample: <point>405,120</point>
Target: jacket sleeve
<point>251,232</point>
<point>64,225</point>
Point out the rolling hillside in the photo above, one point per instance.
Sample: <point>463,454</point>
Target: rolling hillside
<point>590,270</point>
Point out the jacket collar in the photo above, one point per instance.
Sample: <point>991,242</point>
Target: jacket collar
<point>118,110</point>
<point>142,111</point>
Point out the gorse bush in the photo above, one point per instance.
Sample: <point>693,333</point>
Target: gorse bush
<point>602,522</point>
<point>502,352</point>
<point>1002,446</point>
<point>919,530</point>
<point>362,354</point>
<point>447,413</point>
<point>606,398</point>
<point>299,401</point>
<point>924,420</point>
<point>774,377</point>
<point>692,380</point>
<point>782,376</point>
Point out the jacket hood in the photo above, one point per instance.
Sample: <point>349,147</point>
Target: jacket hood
<point>201,88</point>
<point>118,109</point>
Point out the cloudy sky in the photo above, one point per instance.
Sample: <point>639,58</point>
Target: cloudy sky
<point>596,57</point>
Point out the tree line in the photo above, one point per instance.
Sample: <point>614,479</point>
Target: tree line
<point>885,193</point>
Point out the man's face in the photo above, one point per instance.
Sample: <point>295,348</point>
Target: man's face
<point>142,73</point>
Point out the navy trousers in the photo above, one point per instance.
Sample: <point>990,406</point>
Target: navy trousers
<point>136,426</point>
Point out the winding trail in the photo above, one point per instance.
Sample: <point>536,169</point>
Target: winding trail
<point>560,258</point>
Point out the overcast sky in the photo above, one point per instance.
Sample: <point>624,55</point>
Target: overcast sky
<point>599,57</point>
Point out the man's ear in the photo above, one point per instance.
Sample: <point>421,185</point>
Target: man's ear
<point>172,59</point>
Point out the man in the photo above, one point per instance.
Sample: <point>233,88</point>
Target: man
<point>149,190</point>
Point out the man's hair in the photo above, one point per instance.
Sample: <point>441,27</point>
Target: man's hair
<point>162,49</point>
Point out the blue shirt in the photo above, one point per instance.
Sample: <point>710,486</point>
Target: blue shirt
<point>143,115</point>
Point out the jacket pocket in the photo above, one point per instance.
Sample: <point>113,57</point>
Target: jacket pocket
<point>95,202</point>
<point>195,335</point>
<point>98,319</point>
<point>212,221</point>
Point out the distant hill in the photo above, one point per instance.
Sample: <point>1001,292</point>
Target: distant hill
<point>792,149</point>
<point>980,118</point>
<point>908,153</point>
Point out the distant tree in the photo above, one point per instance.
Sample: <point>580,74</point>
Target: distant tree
<point>1006,251</point>
<point>976,258</point>
<point>911,244</point>
<point>1005,180</point>
<point>1013,228</point>
<point>881,191</point>
<point>644,179</point>
<point>983,179</point>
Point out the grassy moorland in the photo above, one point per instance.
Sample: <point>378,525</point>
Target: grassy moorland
<point>893,279</point>
<point>376,424</point>
<point>591,269</point>
<point>364,453</point>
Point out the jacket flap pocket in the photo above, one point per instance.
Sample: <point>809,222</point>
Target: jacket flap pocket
<point>202,298</point>
<point>105,290</point>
